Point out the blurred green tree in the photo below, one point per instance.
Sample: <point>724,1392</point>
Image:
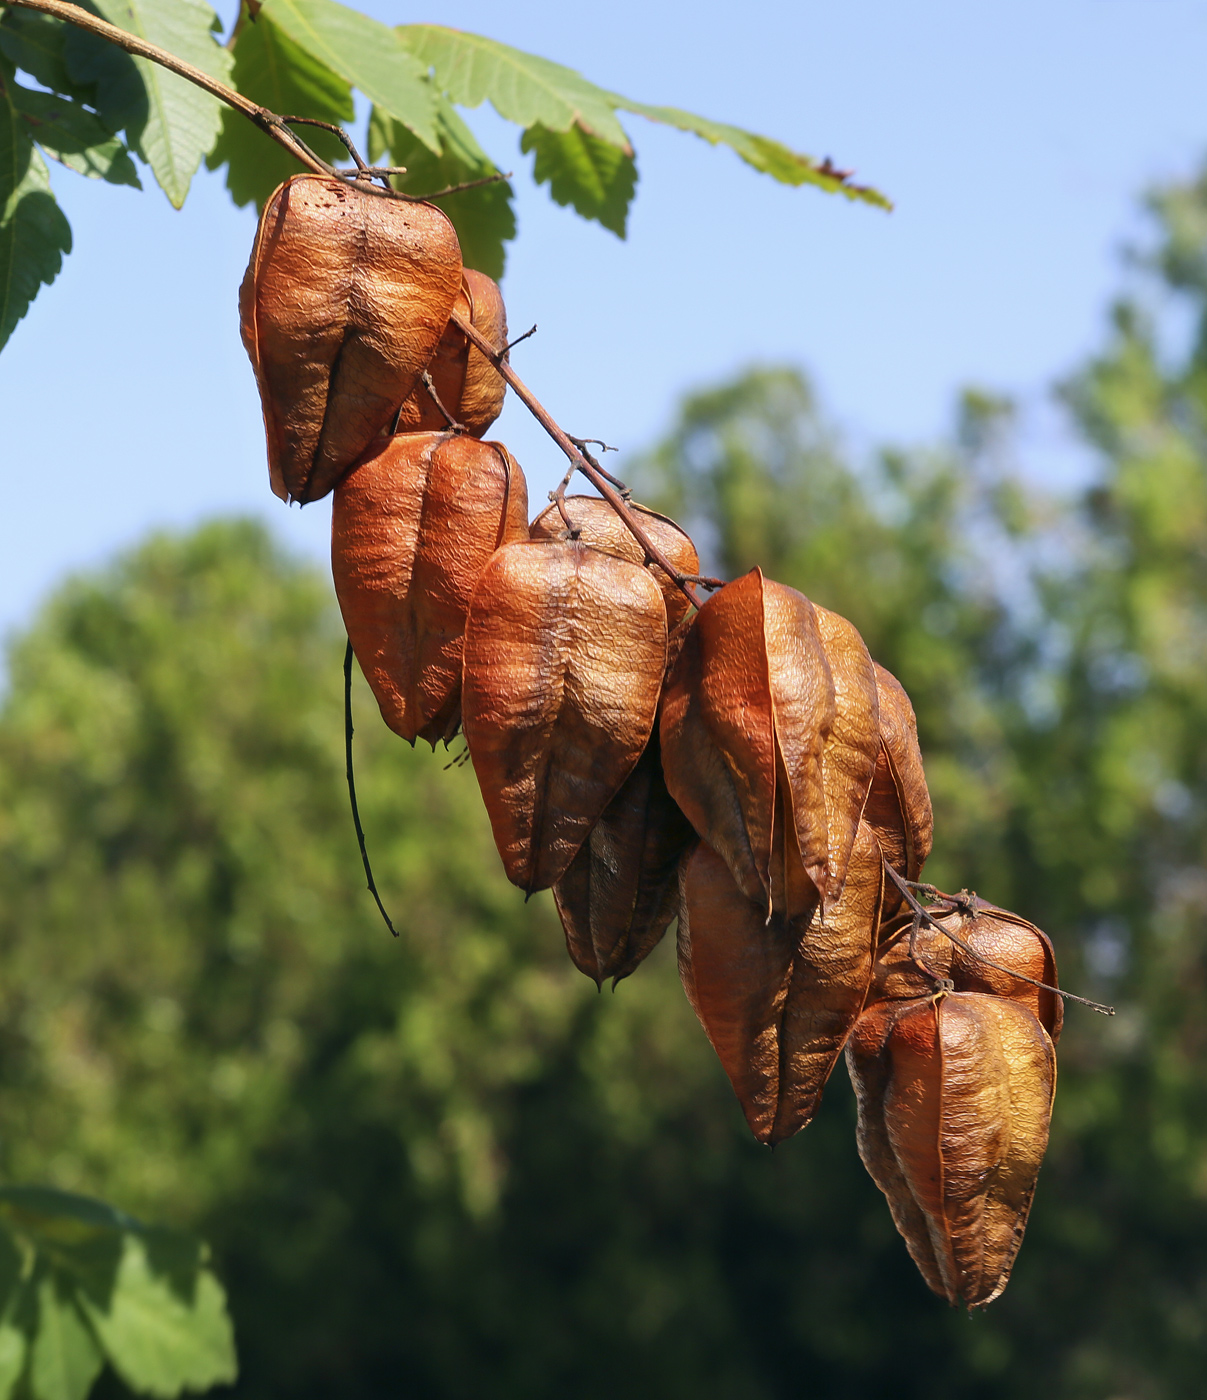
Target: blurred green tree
<point>446,1167</point>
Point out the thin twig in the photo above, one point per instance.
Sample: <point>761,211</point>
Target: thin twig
<point>426,380</point>
<point>577,457</point>
<point>494,179</point>
<point>512,343</point>
<point>962,904</point>
<point>360,831</point>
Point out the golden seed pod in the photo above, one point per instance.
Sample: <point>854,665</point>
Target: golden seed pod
<point>345,299</point>
<point>955,1098</point>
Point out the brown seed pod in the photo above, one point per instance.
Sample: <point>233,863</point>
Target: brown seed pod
<point>898,805</point>
<point>465,381</point>
<point>848,761</point>
<point>777,998</point>
<point>955,1097</point>
<point>601,528</point>
<point>565,650</point>
<point>345,298</point>
<point>411,529</point>
<point>621,890</point>
<point>750,692</point>
<point>993,933</point>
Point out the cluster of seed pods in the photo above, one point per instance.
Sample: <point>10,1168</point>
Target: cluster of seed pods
<point>744,766</point>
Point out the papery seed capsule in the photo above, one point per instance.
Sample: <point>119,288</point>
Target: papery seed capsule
<point>957,950</point>
<point>345,298</point>
<point>751,691</point>
<point>565,651</point>
<point>777,997</point>
<point>955,1097</point>
<point>411,529</point>
<point>898,804</point>
<point>600,527</point>
<point>621,890</point>
<point>852,747</point>
<point>464,380</point>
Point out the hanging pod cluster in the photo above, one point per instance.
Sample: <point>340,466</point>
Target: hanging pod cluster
<point>743,767</point>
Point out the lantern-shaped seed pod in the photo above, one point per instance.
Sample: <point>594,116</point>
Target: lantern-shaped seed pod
<point>411,530</point>
<point>955,1098</point>
<point>565,651</point>
<point>466,383</point>
<point>345,299</point>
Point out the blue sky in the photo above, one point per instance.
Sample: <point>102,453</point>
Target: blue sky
<point>1014,139</point>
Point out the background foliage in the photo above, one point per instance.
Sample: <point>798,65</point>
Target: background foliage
<point>446,1166</point>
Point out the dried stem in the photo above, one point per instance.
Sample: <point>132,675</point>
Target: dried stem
<point>360,831</point>
<point>578,458</point>
<point>962,903</point>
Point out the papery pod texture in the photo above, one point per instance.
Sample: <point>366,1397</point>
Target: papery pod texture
<point>621,890</point>
<point>345,299</point>
<point>778,998</point>
<point>565,651</point>
<point>600,527</point>
<point>748,709</point>
<point>955,1097</point>
<point>411,529</point>
<point>465,381</point>
<point>898,805</point>
<point>852,747</point>
<point>951,951</point>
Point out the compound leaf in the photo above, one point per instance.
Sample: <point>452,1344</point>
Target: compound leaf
<point>521,87</point>
<point>596,178</point>
<point>182,121</point>
<point>483,217</point>
<point>273,70</point>
<point>367,54</point>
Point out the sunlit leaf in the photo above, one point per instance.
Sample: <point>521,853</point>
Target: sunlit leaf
<point>182,120</point>
<point>65,1358</point>
<point>367,54</point>
<point>274,71</point>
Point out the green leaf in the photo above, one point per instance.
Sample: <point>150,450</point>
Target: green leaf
<point>165,1327</point>
<point>483,217</point>
<point>597,179</point>
<point>274,71</point>
<point>12,1357</point>
<point>75,136</point>
<point>35,44</point>
<point>182,121</point>
<point>367,54</point>
<point>111,78</point>
<point>33,232</point>
<point>521,87</point>
<point>765,155</point>
<point>64,1359</point>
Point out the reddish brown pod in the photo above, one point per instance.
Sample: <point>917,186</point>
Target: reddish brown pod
<point>898,804</point>
<point>955,1098</point>
<point>599,526</point>
<point>852,747</point>
<point>464,380</point>
<point>751,696</point>
<point>621,890</point>
<point>989,950</point>
<point>345,299</point>
<point>778,998</point>
<point>565,651</point>
<point>411,529</point>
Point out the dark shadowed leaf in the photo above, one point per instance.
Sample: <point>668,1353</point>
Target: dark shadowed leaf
<point>273,70</point>
<point>75,136</point>
<point>597,179</point>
